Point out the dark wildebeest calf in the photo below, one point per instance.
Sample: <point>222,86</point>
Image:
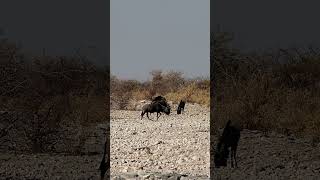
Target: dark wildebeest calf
<point>230,138</point>
<point>181,107</point>
<point>155,107</point>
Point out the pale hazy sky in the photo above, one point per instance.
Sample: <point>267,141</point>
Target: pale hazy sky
<point>268,24</point>
<point>159,34</point>
<point>59,26</point>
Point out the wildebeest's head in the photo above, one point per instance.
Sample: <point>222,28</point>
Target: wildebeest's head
<point>166,109</point>
<point>220,157</point>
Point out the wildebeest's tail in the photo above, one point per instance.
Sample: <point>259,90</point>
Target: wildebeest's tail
<point>142,113</point>
<point>226,130</point>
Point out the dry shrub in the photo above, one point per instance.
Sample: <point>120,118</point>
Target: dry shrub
<point>121,91</point>
<point>192,94</point>
<point>50,92</point>
<point>141,94</point>
<point>276,91</point>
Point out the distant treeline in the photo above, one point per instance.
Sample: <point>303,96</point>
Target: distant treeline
<point>171,85</point>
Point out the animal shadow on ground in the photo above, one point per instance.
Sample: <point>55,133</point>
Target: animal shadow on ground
<point>229,139</point>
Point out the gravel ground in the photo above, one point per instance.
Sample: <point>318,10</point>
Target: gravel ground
<point>273,156</point>
<point>48,166</point>
<point>173,147</point>
<point>172,144</point>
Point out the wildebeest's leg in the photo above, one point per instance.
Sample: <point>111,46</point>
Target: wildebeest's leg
<point>159,115</point>
<point>142,113</point>
<point>148,115</point>
<point>234,155</point>
<point>232,158</point>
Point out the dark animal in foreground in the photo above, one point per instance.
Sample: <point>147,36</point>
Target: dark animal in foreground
<point>104,166</point>
<point>230,138</point>
<point>181,107</point>
<point>160,100</point>
<point>155,107</point>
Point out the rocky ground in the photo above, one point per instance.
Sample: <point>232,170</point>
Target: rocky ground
<point>273,156</point>
<point>48,166</point>
<point>177,144</point>
<point>20,164</point>
<point>173,147</point>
